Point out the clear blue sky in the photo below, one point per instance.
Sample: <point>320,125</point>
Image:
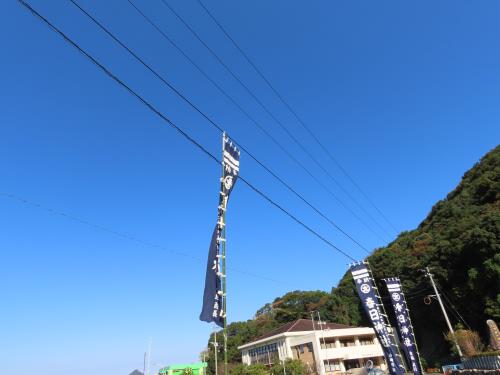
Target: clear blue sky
<point>404,95</point>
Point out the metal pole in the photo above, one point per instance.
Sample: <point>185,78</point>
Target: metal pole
<point>428,274</point>
<point>215,351</point>
<point>324,341</point>
<point>223,251</point>
<point>144,365</point>
<point>312,318</point>
<point>149,353</point>
<point>224,290</point>
<point>319,366</point>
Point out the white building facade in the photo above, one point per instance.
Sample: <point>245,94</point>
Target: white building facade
<point>326,350</point>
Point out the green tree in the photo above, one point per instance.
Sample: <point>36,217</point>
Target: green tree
<point>459,240</point>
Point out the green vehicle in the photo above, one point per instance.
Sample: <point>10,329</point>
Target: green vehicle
<point>199,368</point>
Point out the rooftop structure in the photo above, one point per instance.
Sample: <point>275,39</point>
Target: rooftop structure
<point>199,368</point>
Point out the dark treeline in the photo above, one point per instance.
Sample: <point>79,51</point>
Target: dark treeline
<point>459,240</point>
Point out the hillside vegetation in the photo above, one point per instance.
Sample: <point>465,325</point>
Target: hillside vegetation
<point>459,240</point>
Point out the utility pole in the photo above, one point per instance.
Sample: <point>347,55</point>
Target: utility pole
<point>319,366</point>
<point>144,367</point>
<point>324,341</point>
<point>222,240</point>
<point>428,274</point>
<point>214,343</point>
<point>312,318</point>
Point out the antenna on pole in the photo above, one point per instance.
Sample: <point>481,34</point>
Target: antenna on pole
<point>428,274</point>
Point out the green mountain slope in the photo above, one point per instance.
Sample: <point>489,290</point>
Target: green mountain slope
<point>459,240</point>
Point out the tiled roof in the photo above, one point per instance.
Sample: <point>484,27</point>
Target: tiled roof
<point>300,325</point>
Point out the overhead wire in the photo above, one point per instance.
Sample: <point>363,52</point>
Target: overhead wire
<point>122,235</point>
<point>163,117</point>
<point>217,126</point>
<point>275,119</point>
<point>411,295</point>
<point>452,307</point>
<point>300,120</point>
<point>249,117</point>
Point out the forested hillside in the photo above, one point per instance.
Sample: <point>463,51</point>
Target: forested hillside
<point>459,240</point>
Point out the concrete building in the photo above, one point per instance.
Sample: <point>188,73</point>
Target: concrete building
<point>326,350</point>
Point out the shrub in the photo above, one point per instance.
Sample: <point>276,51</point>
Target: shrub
<point>469,341</point>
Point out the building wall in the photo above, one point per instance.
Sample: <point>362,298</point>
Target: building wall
<point>305,353</point>
<point>325,352</point>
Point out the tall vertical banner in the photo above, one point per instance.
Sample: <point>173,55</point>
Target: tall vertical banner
<point>404,325</point>
<point>214,296</point>
<point>370,298</point>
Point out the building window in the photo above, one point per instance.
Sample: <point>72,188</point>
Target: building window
<point>366,340</point>
<point>334,365</point>
<point>347,342</point>
<point>266,354</point>
<point>299,351</point>
<point>375,362</point>
<point>351,363</point>
<point>327,345</point>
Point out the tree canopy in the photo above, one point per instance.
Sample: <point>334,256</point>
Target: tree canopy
<point>459,240</point>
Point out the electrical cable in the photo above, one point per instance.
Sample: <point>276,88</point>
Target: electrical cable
<point>123,235</point>
<point>452,307</point>
<point>266,109</point>
<point>299,119</point>
<point>454,313</point>
<point>176,127</point>
<point>252,119</point>
<point>218,127</point>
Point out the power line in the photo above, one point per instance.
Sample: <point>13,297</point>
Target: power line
<point>412,294</point>
<point>299,119</point>
<point>452,307</point>
<point>214,124</point>
<point>252,119</point>
<point>122,235</point>
<point>266,109</point>
<point>176,127</point>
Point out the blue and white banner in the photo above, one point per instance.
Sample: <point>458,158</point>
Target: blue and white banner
<point>231,163</point>
<point>371,301</point>
<point>405,327</point>
<point>213,295</point>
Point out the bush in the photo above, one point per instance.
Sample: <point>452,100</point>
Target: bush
<point>424,363</point>
<point>292,367</point>
<point>257,369</point>
<point>469,342</point>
